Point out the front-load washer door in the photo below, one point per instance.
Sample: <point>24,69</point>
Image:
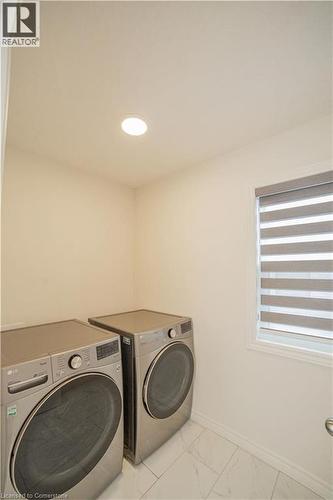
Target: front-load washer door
<point>168,380</point>
<point>66,435</point>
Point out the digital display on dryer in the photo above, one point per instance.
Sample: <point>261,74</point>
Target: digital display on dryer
<point>105,350</point>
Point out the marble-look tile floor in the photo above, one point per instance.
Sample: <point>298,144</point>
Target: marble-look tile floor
<point>196,464</point>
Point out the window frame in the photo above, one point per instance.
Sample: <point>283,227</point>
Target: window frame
<point>282,343</point>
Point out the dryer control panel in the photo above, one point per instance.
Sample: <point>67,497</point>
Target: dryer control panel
<point>68,363</point>
<point>151,341</point>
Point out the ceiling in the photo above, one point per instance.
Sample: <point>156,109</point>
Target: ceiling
<point>208,77</point>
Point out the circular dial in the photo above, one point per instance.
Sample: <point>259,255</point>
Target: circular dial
<point>75,361</point>
<point>172,333</point>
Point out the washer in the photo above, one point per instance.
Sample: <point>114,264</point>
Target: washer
<point>158,371</point>
<point>61,411</point>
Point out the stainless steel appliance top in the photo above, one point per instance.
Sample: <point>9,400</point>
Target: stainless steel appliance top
<point>34,342</point>
<point>137,322</point>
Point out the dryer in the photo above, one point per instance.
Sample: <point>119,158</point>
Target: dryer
<point>158,371</point>
<point>61,409</point>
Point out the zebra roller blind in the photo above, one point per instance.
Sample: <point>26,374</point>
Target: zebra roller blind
<point>295,246</point>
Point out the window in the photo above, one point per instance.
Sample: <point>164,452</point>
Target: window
<point>295,264</point>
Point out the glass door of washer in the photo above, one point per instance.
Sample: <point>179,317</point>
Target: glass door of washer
<point>66,435</point>
<point>168,380</point>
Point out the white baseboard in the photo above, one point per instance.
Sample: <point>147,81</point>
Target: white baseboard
<point>12,326</point>
<point>314,483</point>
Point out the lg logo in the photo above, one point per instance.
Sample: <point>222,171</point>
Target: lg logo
<point>20,24</point>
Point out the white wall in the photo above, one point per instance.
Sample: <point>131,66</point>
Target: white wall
<point>5,74</point>
<point>196,256</point>
<point>67,242</point>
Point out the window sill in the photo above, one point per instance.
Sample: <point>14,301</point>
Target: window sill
<point>279,348</point>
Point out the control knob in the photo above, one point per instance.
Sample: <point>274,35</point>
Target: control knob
<point>172,333</point>
<point>75,362</point>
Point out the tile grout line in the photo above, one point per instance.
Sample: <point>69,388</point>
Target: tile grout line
<point>184,451</point>
<point>173,462</point>
<point>275,483</point>
<point>150,487</point>
<point>157,477</point>
<point>169,466</point>
<point>202,462</point>
<point>166,470</point>
<point>224,468</point>
<point>303,485</point>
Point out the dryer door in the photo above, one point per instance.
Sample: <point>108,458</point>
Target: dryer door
<point>66,435</point>
<point>168,380</point>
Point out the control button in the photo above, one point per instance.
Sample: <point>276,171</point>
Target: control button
<point>75,362</point>
<point>172,333</point>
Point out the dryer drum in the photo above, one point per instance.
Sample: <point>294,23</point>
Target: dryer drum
<point>66,435</point>
<point>168,380</point>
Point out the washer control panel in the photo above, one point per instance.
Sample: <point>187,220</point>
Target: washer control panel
<point>64,364</point>
<point>67,363</point>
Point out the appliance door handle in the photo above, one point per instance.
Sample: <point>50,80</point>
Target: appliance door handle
<point>329,425</point>
<point>27,384</point>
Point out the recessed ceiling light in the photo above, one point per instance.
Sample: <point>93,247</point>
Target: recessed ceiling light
<point>134,126</point>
